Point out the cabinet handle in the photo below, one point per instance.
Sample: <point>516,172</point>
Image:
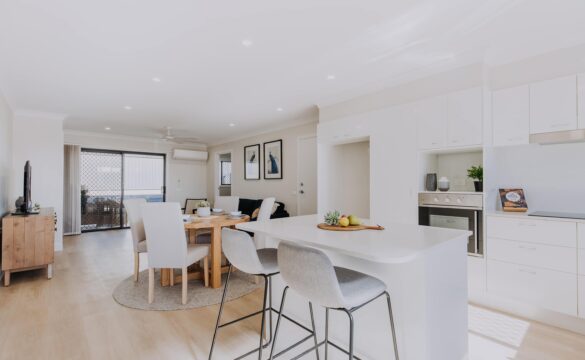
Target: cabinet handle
<point>527,271</point>
<point>516,138</point>
<point>526,247</point>
<point>527,224</point>
<point>560,125</point>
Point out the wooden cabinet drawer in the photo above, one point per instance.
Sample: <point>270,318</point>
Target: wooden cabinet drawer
<point>538,255</point>
<point>556,233</point>
<point>548,289</point>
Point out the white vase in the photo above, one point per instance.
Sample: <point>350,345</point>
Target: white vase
<point>443,184</point>
<point>204,211</point>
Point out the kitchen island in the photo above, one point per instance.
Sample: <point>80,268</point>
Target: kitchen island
<point>424,268</point>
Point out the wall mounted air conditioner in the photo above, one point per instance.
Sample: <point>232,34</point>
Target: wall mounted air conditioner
<point>193,155</point>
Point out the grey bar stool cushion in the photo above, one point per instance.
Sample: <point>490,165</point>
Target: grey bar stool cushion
<point>309,272</point>
<point>358,288</point>
<point>240,250</point>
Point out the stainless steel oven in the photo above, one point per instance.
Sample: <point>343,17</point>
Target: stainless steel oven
<point>463,211</point>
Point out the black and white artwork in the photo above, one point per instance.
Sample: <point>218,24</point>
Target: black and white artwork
<point>252,162</point>
<point>273,160</point>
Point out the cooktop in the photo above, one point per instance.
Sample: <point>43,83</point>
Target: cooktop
<point>558,215</point>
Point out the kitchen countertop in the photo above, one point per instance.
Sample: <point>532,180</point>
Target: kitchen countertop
<point>524,216</point>
<point>398,243</point>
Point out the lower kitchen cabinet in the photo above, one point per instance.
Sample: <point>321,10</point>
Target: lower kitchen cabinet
<point>553,290</point>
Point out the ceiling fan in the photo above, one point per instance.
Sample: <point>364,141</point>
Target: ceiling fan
<point>168,136</point>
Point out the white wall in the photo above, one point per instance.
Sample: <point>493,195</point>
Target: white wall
<point>552,176</point>
<point>184,179</point>
<point>5,155</point>
<point>38,137</point>
<point>284,190</point>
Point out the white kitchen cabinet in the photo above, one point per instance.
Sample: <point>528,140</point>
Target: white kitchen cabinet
<point>511,116</point>
<point>464,118</point>
<point>557,258</point>
<point>431,119</point>
<point>581,100</point>
<point>543,288</point>
<point>556,233</point>
<point>553,105</point>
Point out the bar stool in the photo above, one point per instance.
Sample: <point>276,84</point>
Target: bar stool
<point>239,249</point>
<point>311,274</point>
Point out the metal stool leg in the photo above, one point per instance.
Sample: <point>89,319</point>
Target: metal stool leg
<point>392,326</point>
<point>227,280</point>
<point>278,321</point>
<point>314,330</point>
<point>263,325</point>
<point>326,331</point>
<point>350,335</point>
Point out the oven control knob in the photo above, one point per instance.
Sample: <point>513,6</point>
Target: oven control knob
<point>459,201</point>
<point>436,199</point>
<point>447,200</point>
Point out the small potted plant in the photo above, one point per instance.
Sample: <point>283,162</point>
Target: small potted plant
<point>203,208</point>
<point>476,173</point>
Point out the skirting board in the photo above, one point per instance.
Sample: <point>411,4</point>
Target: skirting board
<point>530,312</point>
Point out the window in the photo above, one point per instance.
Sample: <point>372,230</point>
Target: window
<point>226,173</point>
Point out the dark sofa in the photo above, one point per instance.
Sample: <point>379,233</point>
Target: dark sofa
<point>247,206</point>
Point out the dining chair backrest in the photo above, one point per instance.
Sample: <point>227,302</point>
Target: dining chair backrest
<point>165,235</point>
<point>238,247</point>
<point>266,209</point>
<point>227,203</point>
<point>134,212</point>
<point>310,273</point>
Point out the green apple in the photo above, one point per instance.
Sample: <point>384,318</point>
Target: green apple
<point>354,220</point>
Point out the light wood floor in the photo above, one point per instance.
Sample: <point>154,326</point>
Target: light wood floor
<point>73,316</point>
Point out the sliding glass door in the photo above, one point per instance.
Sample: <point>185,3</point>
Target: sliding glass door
<point>110,177</point>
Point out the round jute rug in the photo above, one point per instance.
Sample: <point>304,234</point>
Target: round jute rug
<point>135,294</point>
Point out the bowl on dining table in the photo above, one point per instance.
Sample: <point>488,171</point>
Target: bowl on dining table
<point>235,214</point>
<point>216,210</point>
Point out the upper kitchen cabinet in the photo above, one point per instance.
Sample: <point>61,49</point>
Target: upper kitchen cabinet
<point>464,118</point>
<point>431,119</point>
<point>581,100</point>
<point>553,105</point>
<point>511,116</point>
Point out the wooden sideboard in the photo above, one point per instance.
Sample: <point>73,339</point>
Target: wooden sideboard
<point>28,243</point>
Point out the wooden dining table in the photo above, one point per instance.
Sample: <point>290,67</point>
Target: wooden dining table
<point>213,223</point>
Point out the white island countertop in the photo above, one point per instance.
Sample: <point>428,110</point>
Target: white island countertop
<point>398,243</point>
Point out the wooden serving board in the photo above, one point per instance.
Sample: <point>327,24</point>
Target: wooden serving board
<point>324,226</point>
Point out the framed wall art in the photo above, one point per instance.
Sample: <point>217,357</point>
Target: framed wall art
<point>273,161</point>
<point>252,162</point>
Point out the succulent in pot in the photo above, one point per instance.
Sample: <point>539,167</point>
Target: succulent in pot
<point>203,208</point>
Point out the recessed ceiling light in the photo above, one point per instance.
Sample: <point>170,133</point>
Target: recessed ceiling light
<point>156,79</point>
<point>247,42</point>
<point>279,109</point>
<point>330,77</point>
<point>128,107</point>
<point>232,124</point>
<point>108,128</point>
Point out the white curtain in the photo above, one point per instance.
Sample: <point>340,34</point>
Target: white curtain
<point>72,191</point>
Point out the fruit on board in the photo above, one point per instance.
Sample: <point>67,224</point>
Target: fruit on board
<point>343,221</point>
<point>332,217</point>
<point>354,220</point>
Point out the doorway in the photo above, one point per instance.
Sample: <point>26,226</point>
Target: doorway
<point>307,175</point>
<point>109,177</point>
<point>224,187</point>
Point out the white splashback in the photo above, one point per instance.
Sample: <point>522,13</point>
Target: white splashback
<point>552,176</point>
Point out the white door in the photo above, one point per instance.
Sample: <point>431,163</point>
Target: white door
<point>307,175</point>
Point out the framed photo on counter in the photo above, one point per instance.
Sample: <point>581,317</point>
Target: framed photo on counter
<point>513,200</point>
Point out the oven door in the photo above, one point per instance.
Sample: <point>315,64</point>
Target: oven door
<point>460,219</point>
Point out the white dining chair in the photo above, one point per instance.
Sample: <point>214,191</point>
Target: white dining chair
<point>134,213</point>
<point>264,215</point>
<point>227,203</point>
<point>167,246</point>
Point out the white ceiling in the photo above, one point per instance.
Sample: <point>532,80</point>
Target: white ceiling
<point>89,59</point>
